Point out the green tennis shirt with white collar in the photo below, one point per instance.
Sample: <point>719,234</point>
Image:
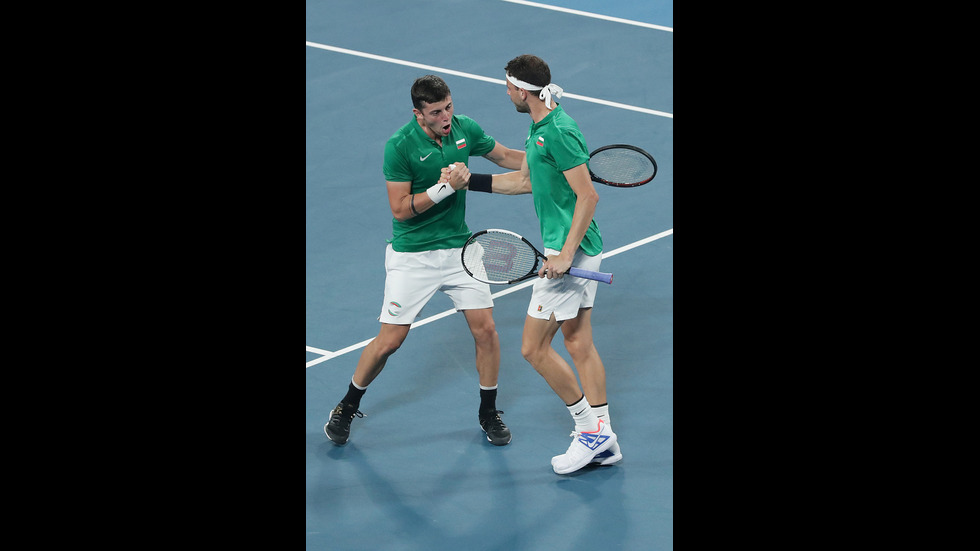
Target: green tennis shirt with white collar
<point>555,144</point>
<point>412,156</point>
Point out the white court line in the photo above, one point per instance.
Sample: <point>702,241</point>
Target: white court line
<point>592,15</point>
<point>636,244</point>
<point>478,77</point>
<point>327,355</point>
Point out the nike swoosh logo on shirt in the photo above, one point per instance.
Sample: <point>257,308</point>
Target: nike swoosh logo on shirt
<point>426,157</point>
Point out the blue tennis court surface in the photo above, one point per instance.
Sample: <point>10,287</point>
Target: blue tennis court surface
<point>418,472</point>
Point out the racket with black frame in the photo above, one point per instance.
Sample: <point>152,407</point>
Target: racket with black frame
<point>621,165</point>
<point>502,257</point>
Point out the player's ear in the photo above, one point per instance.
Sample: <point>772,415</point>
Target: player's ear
<point>418,114</point>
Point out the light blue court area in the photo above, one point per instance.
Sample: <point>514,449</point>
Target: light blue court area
<point>418,473</point>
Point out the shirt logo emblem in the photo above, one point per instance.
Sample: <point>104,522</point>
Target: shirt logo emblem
<point>460,144</point>
<point>540,141</point>
<point>426,157</point>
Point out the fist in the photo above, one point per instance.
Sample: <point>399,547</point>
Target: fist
<point>458,175</point>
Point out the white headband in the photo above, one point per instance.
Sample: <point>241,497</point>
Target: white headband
<point>546,91</point>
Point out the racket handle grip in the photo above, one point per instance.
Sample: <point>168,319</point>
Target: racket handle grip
<point>589,274</point>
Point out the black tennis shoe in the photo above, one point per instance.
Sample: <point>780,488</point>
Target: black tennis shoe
<point>338,428</point>
<point>497,432</point>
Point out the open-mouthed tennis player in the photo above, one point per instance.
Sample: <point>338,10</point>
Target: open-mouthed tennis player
<point>555,172</point>
<point>429,230</point>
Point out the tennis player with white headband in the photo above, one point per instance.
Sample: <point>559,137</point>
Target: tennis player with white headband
<point>555,172</point>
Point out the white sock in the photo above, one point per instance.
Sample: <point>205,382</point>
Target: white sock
<point>602,412</point>
<point>585,418</point>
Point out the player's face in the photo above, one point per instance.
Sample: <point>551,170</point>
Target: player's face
<point>515,97</point>
<point>436,118</point>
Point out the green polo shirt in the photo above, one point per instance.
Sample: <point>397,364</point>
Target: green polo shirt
<point>412,156</point>
<point>554,145</point>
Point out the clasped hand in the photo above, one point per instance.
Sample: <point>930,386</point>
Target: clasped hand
<point>458,177</point>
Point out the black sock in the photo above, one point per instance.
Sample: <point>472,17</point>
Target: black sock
<point>488,401</point>
<point>353,395</point>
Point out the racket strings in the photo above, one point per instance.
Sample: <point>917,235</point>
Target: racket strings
<point>621,166</point>
<point>499,257</point>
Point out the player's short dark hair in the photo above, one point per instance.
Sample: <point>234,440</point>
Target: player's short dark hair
<point>429,89</point>
<point>529,68</point>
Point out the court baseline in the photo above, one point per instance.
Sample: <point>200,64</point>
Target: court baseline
<point>592,15</point>
<point>479,77</point>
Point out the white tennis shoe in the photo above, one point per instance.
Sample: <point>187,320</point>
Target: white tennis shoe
<point>610,456</point>
<point>585,446</point>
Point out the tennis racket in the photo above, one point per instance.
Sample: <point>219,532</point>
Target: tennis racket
<point>502,257</point>
<point>621,165</point>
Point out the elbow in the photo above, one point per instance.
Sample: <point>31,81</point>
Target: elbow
<point>587,203</point>
<point>401,214</point>
<point>591,198</point>
<point>526,185</point>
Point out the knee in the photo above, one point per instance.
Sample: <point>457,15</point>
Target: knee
<point>577,346</point>
<point>485,333</point>
<point>531,353</point>
<point>386,345</point>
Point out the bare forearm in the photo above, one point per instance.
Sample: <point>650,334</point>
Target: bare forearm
<point>585,206</point>
<point>586,200</point>
<point>511,183</point>
<point>406,205</point>
<point>402,208</point>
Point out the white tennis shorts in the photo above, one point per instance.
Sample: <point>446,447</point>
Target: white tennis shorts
<point>413,278</point>
<point>564,296</point>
